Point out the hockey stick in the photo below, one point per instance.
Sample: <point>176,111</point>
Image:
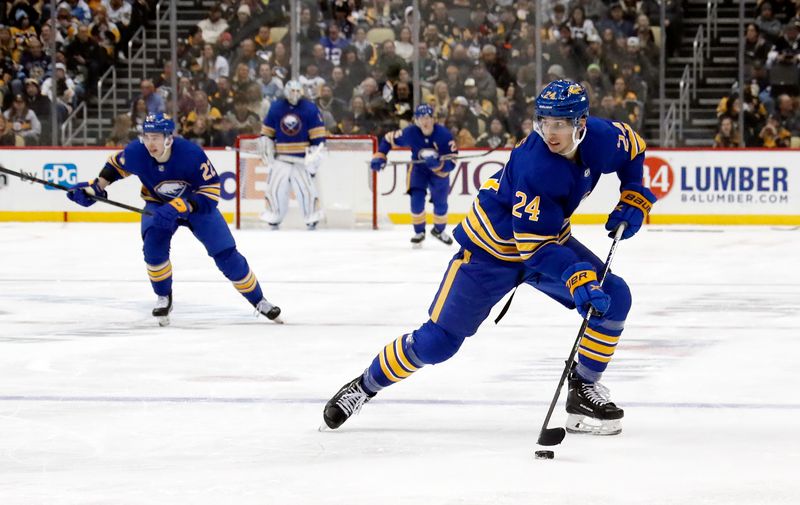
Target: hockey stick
<point>447,157</point>
<point>30,177</point>
<point>554,436</point>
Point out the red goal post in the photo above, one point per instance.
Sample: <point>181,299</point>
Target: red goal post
<point>344,180</point>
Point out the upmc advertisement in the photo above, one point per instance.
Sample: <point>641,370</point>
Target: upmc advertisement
<point>693,186</point>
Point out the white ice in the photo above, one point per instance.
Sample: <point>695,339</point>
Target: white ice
<point>98,405</point>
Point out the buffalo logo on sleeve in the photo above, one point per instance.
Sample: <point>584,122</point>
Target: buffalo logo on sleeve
<point>172,189</point>
<point>291,125</point>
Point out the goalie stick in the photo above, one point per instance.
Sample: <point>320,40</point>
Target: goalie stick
<point>554,436</point>
<point>32,178</point>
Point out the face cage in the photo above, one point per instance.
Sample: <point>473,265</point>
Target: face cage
<point>294,95</point>
<point>578,133</point>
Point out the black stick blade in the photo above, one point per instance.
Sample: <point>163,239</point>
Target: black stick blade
<point>552,436</point>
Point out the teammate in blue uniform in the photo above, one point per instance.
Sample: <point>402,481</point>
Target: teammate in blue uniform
<point>518,231</point>
<point>434,149</point>
<point>293,147</point>
<point>180,188</point>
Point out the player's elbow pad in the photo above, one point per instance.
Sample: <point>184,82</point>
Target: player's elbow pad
<point>202,204</point>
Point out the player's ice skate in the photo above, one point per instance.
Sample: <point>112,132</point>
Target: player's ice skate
<point>416,240</point>
<point>591,410</point>
<point>271,312</point>
<point>346,402</point>
<point>442,236</point>
<point>162,309</point>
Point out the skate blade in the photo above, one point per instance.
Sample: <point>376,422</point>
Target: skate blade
<point>163,321</point>
<point>583,425</point>
<point>418,245</point>
<point>278,320</point>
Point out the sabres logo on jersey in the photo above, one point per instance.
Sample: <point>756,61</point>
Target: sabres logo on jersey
<point>426,153</point>
<point>291,124</point>
<point>172,189</point>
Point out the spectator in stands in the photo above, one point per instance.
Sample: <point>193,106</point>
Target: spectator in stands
<point>481,107</point>
<point>85,56</point>
<point>243,121</point>
<point>211,64</point>
<point>265,46</point>
<point>24,121</point>
<point>487,88</point>
<point>333,44</point>
<point>40,105</point>
<point>66,90</point>
<point>770,27</point>
<point>361,117</point>
<point>311,81</point>
<point>327,102</point>
<point>8,137</point>
<point>225,47</point>
<point>648,45</point>
<point>464,117</point>
<point>496,135</point>
<point>247,55</point>
<point>441,19</point>
<point>726,135</point>
<point>280,61</point>
<point>319,58</point>
<point>773,134</point>
<point>80,10</point>
<point>122,132</point>
<point>119,13</point>
<point>496,67</point>
<point>616,22</point>
<point>347,125</point>
<point>66,24</point>
<point>462,135</point>
<point>787,114</point>
<point>22,30</point>
<point>389,59</point>
<point>138,114</point>
<point>609,109</point>
<point>789,41</point>
<point>599,81</point>
<point>200,133</point>
<point>202,108</point>
<point>241,79</point>
<point>222,98</point>
<point>33,63</point>
<point>271,85</point>
<point>309,33</point>
<point>105,31</point>
<point>213,26</point>
<point>365,50</point>
<point>153,101</point>
<point>756,47</point>
<point>402,104</point>
<point>580,26</point>
<point>239,25</point>
<point>404,46</point>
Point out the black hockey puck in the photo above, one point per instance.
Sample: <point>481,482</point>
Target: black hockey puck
<point>545,454</point>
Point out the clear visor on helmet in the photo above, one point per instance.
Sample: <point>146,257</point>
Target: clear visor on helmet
<point>550,125</point>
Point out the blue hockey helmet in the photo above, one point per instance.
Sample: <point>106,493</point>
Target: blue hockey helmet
<point>158,123</point>
<point>423,110</point>
<point>563,98</point>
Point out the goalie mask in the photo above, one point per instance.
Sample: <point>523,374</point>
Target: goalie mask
<point>293,91</point>
<point>559,107</point>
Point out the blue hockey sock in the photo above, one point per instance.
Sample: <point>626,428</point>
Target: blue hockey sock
<point>161,277</point>
<point>596,350</point>
<point>418,211</point>
<point>394,363</point>
<point>235,268</point>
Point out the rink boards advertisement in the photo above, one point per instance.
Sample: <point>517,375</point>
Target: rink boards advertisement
<point>693,186</point>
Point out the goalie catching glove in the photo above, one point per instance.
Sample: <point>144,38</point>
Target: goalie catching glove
<point>581,280</point>
<point>80,193</point>
<point>634,205</point>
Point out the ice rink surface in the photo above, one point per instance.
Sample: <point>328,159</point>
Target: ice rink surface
<point>98,405</point>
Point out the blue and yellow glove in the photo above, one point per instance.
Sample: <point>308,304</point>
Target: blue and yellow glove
<point>634,205</point>
<point>581,280</point>
<point>166,215</point>
<point>378,163</point>
<point>81,191</point>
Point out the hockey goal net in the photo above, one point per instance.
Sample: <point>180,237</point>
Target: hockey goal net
<point>344,180</point>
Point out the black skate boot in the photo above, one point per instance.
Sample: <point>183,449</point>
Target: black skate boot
<point>590,408</point>
<point>416,240</point>
<point>443,236</point>
<point>271,312</point>
<point>162,309</point>
<point>345,403</point>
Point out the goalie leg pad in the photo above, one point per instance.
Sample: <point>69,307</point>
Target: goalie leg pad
<point>306,192</point>
<point>277,194</point>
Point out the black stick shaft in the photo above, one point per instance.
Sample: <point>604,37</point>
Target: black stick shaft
<point>584,325</point>
<point>29,177</point>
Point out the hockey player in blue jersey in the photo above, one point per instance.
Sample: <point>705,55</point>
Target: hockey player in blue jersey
<point>180,188</point>
<point>434,149</point>
<point>293,147</point>
<point>518,231</point>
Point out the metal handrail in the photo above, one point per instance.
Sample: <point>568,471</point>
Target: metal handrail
<point>101,98</point>
<point>685,89</point>
<point>670,126</point>
<point>159,19</point>
<point>131,56</point>
<point>712,23</point>
<point>697,57</point>
<point>68,133</point>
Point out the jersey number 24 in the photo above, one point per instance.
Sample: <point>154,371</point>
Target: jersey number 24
<point>530,208</point>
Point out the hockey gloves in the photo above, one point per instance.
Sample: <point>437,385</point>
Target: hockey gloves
<point>581,280</point>
<point>81,191</point>
<point>166,215</point>
<point>634,205</point>
<point>377,163</point>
